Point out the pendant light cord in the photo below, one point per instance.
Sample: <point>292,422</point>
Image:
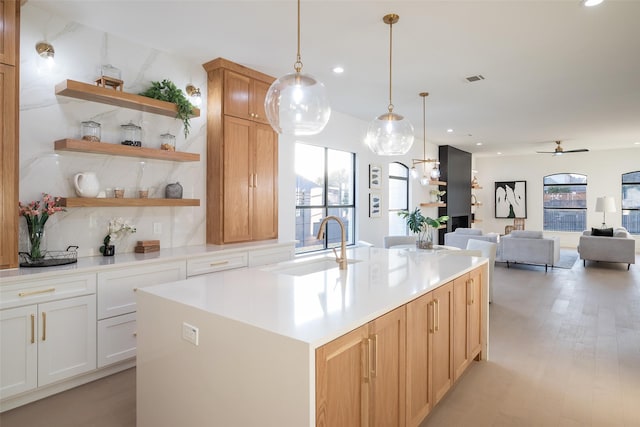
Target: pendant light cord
<point>298,64</point>
<point>424,130</point>
<point>390,62</point>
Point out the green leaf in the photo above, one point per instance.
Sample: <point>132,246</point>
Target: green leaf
<point>169,92</point>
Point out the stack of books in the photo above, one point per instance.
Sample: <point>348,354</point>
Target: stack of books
<point>145,246</point>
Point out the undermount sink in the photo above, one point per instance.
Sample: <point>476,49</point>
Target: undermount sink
<point>302,268</point>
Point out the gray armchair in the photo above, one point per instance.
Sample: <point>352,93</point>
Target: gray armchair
<point>529,247</point>
<point>621,247</point>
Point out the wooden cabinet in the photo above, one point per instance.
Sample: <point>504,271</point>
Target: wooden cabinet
<point>467,294</point>
<point>360,376</point>
<point>9,107</point>
<point>242,156</point>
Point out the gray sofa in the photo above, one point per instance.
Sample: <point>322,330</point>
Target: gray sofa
<point>529,247</point>
<point>460,236</point>
<point>621,247</point>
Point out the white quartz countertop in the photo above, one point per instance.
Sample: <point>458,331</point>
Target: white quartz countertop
<point>316,307</point>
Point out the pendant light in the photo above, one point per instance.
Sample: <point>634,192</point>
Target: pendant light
<point>390,134</point>
<point>434,174</point>
<point>296,103</point>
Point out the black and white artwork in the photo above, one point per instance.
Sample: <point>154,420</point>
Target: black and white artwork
<point>511,199</point>
<point>374,205</point>
<point>375,173</point>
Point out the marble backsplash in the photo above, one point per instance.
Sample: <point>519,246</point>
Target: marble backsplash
<point>45,118</point>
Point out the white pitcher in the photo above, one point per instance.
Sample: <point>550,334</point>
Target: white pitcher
<point>86,184</point>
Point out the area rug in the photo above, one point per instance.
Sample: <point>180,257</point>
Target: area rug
<point>568,258</point>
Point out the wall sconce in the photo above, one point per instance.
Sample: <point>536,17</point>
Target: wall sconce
<point>46,52</point>
<point>194,94</point>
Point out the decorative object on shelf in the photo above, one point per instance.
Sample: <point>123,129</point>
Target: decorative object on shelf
<point>118,193</point>
<point>167,142</point>
<point>390,134</point>
<point>474,200</point>
<point>144,246</point>
<point>51,258</point>
<point>194,94</point>
<point>605,204</point>
<point>474,182</point>
<point>434,174</point>
<point>296,103</point>
<point>436,195</point>
<point>90,131</point>
<point>173,191</point>
<point>86,184</point>
<point>423,226</point>
<point>168,91</point>
<point>375,201</point>
<point>511,199</point>
<point>116,230</point>
<point>143,193</point>
<point>375,177</point>
<point>110,76</point>
<point>36,214</point>
<point>131,135</point>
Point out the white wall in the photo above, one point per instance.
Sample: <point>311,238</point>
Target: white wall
<point>603,169</point>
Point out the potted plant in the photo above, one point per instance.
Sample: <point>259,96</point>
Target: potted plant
<point>422,226</point>
<point>166,90</point>
<point>436,195</point>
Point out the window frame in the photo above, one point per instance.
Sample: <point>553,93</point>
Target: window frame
<point>399,178</point>
<point>626,211</point>
<point>546,209</point>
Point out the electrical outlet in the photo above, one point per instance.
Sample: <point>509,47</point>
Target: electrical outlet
<point>190,333</point>
<point>157,228</point>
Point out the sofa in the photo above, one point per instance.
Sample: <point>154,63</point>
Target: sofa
<point>529,247</point>
<point>609,245</point>
<point>460,236</point>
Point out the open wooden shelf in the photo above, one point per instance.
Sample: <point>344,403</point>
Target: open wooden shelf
<point>443,183</point>
<point>104,95</point>
<point>476,187</point>
<point>473,221</point>
<point>86,202</point>
<point>82,146</point>
<point>433,205</point>
<point>476,204</point>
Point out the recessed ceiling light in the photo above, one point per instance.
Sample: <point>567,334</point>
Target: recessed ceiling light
<point>591,3</point>
<point>478,143</point>
<point>449,130</point>
<point>636,143</point>
<point>499,153</point>
<point>338,70</point>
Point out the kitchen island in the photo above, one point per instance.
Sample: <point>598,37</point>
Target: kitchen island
<point>302,343</point>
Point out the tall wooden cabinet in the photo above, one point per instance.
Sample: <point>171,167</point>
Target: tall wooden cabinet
<point>467,339</point>
<point>242,156</point>
<point>9,107</point>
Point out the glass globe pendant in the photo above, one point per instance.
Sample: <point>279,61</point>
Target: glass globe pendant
<point>390,134</point>
<point>296,103</point>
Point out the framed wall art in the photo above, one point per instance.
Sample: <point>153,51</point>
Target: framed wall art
<point>511,199</point>
<point>375,203</point>
<point>375,176</point>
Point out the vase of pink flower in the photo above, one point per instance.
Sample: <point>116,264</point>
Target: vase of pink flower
<point>36,214</point>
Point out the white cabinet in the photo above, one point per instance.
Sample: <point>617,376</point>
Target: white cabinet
<point>117,306</point>
<point>47,342</point>
<point>218,262</point>
<point>260,257</point>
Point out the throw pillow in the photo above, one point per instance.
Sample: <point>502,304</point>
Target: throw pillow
<point>606,232</point>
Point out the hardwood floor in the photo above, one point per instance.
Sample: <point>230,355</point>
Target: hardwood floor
<point>564,351</point>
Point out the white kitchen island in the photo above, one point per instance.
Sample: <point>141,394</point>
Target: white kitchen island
<point>238,348</point>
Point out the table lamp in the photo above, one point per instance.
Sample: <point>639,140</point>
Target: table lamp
<point>605,204</point>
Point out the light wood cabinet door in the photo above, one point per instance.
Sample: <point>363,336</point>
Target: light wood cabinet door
<point>8,167</point>
<point>387,338</point>
<point>244,97</point>
<point>461,298</point>
<point>441,350</point>
<point>8,31</point>
<point>258,95</point>
<point>265,183</point>
<point>474,328</point>
<point>18,350</point>
<point>418,365</point>
<point>342,375</point>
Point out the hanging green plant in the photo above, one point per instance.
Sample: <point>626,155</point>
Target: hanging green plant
<point>168,91</point>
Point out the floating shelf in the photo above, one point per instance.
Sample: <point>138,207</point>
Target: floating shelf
<point>86,202</point>
<point>473,221</point>
<point>476,187</point>
<point>91,92</point>
<point>476,204</point>
<point>82,146</point>
<point>433,205</point>
<point>443,183</point>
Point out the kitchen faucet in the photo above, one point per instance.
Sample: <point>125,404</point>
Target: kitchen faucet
<point>342,259</point>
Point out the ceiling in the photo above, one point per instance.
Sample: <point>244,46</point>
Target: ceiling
<point>553,70</point>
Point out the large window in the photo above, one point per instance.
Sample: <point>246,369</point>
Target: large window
<point>565,202</point>
<point>631,202</point>
<point>398,197</point>
<point>325,185</point>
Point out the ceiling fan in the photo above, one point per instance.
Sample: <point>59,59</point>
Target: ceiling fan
<point>559,150</point>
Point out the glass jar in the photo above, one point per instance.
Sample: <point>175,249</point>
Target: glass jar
<point>108,70</point>
<point>167,142</point>
<point>131,135</point>
<point>90,131</point>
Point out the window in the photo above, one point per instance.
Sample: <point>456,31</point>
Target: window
<point>398,197</point>
<point>325,185</point>
<point>565,202</point>
<point>631,202</point>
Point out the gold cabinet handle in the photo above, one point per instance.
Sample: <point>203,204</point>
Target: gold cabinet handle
<point>473,294</point>
<point>39,291</point>
<point>255,179</point>
<point>33,328</point>
<point>44,326</point>
<point>216,264</point>
<point>251,180</point>
<point>437,316</point>
<point>366,357</point>
<point>432,304</point>
<point>374,371</point>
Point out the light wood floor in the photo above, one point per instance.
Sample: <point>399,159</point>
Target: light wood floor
<point>564,351</point>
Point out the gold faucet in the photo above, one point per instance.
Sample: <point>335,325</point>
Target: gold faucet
<point>342,259</point>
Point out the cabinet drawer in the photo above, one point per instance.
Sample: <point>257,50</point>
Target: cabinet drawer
<point>215,263</point>
<point>116,289</point>
<point>116,339</point>
<point>43,290</point>
<point>270,256</point>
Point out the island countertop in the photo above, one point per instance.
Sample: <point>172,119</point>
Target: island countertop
<point>292,300</point>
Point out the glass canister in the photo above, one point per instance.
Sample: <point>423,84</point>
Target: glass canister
<point>90,131</point>
<point>167,142</point>
<point>131,135</point>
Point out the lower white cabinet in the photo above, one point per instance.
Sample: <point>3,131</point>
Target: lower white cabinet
<point>271,256</point>
<point>116,339</point>
<point>47,342</point>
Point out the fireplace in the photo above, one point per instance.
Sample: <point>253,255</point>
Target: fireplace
<point>459,221</point>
